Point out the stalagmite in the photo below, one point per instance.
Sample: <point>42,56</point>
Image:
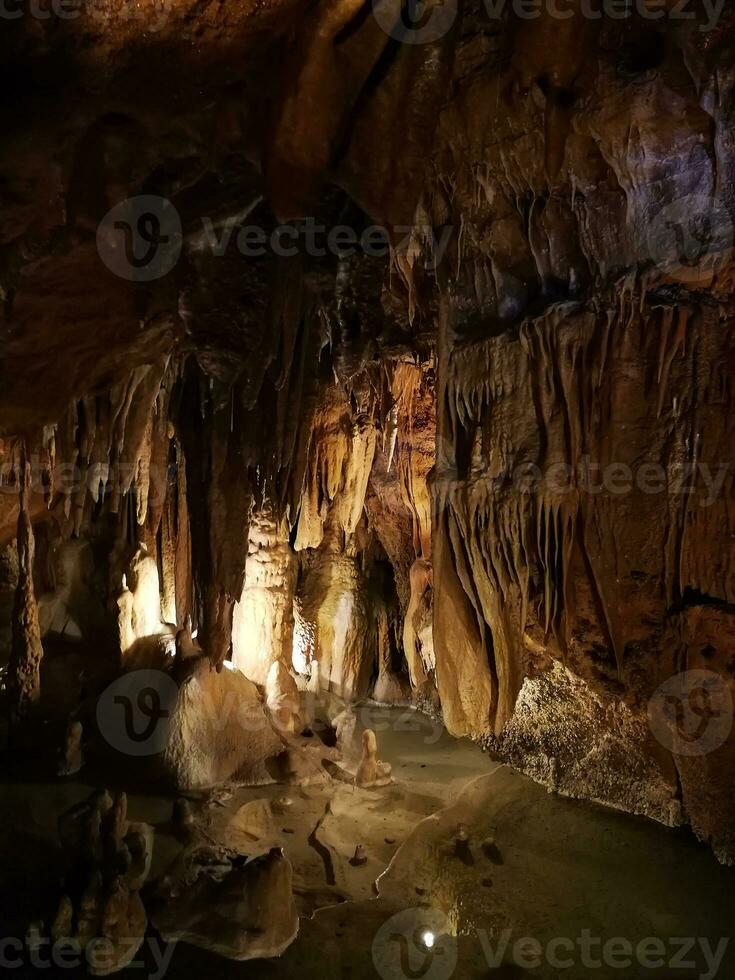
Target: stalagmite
<point>262,632</point>
<point>282,698</point>
<point>371,772</point>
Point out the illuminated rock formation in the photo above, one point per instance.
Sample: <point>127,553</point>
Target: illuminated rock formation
<point>263,617</point>
<point>218,730</point>
<point>371,771</point>
<point>485,467</point>
<point>245,914</point>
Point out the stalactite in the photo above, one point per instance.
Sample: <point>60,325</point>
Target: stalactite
<point>175,546</point>
<point>340,459</point>
<point>24,671</point>
<point>675,321</point>
<point>509,548</point>
<point>415,417</point>
<point>419,662</point>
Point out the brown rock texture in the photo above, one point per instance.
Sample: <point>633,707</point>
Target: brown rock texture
<point>489,468</point>
<point>26,654</point>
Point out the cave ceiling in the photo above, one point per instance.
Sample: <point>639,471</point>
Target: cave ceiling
<point>546,147</point>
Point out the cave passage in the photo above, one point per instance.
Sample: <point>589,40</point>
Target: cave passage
<point>367,489</point>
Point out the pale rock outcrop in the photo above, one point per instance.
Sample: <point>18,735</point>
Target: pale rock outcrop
<point>218,730</point>
<point>241,910</point>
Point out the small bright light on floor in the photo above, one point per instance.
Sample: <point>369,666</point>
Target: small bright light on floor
<point>428,939</point>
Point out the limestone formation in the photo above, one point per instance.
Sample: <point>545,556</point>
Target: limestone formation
<point>108,861</point>
<point>417,634</point>
<point>281,804</point>
<point>263,617</point>
<point>144,639</point>
<point>477,462</point>
<point>101,801</point>
<point>80,827</point>
<point>218,730</point>
<point>282,699</point>
<point>24,677</point>
<point>247,912</point>
<point>371,772</point>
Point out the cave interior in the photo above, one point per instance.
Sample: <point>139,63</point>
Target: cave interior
<point>367,488</point>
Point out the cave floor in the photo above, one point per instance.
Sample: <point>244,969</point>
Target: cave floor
<point>524,864</point>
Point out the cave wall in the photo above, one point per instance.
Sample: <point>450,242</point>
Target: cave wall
<point>489,471</point>
<point>584,489</point>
